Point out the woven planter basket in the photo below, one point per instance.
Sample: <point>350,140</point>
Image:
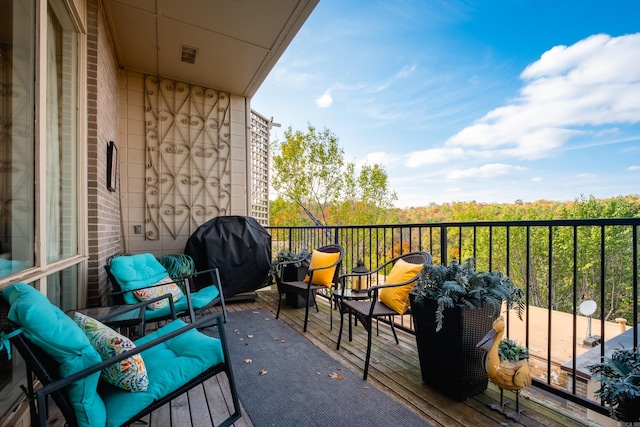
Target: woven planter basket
<point>449,359</point>
<point>628,411</point>
<point>292,273</point>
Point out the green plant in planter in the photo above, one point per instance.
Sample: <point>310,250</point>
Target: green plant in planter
<point>461,284</point>
<point>619,377</point>
<point>287,256</point>
<point>511,350</point>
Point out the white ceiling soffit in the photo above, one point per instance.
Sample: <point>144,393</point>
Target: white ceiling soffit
<point>230,45</point>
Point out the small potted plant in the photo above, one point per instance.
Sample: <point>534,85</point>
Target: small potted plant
<point>511,350</point>
<point>296,264</point>
<point>453,307</point>
<point>619,377</point>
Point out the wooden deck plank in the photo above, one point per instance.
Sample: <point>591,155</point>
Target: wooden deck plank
<point>218,406</point>
<point>219,394</point>
<point>200,408</point>
<point>180,414</point>
<point>160,416</point>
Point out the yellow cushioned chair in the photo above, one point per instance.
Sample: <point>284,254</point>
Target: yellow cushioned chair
<point>323,273</point>
<point>387,300</point>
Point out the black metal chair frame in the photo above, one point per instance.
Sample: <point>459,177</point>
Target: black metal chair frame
<point>308,289</point>
<point>367,310</point>
<point>117,295</point>
<point>45,369</point>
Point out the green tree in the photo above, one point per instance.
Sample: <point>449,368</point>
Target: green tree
<point>309,169</point>
<point>366,198</point>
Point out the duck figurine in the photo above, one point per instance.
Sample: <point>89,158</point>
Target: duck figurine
<point>507,374</point>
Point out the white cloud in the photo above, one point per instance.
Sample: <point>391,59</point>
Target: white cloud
<point>633,168</point>
<point>432,156</point>
<point>405,72</point>
<point>325,100</point>
<point>536,179</point>
<point>484,171</point>
<point>568,91</point>
<point>378,158</point>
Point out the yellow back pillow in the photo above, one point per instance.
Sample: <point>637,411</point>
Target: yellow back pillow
<point>322,259</point>
<point>397,298</point>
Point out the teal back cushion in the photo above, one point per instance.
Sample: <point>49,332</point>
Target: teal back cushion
<point>136,272</point>
<point>49,328</point>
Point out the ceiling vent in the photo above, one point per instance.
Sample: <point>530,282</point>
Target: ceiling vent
<point>188,54</point>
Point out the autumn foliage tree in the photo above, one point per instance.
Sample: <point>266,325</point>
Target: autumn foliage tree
<point>309,169</point>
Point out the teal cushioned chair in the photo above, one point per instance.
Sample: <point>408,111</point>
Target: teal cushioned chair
<point>46,326</point>
<point>130,272</point>
<point>177,358</point>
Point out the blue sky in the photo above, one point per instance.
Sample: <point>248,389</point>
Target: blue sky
<point>459,100</point>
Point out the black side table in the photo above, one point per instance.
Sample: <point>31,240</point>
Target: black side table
<point>349,294</point>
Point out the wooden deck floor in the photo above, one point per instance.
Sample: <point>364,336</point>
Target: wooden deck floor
<point>395,369</point>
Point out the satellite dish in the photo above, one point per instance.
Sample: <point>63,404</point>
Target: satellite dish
<point>588,307</point>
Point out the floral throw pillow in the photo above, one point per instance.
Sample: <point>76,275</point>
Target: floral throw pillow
<point>162,287</point>
<point>129,374</point>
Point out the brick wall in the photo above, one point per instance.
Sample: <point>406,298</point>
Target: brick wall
<point>102,127</point>
<point>581,390</point>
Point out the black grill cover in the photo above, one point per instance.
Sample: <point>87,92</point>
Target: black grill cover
<point>238,246</point>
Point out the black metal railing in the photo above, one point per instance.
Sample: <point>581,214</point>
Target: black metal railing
<point>558,263</point>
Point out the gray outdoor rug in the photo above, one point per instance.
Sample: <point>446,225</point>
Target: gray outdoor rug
<point>291,382</point>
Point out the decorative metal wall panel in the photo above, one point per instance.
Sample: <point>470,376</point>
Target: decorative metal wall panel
<point>188,170</point>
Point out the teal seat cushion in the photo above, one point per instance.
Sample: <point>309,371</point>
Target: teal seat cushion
<point>204,296</point>
<point>143,270</point>
<point>136,272</point>
<point>199,299</point>
<point>169,366</point>
<point>161,313</point>
<point>53,331</point>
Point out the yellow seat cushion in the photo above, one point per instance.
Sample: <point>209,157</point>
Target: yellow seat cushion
<point>319,260</point>
<point>397,298</point>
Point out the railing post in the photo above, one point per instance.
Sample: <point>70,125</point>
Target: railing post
<point>634,240</point>
<point>444,260</point>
